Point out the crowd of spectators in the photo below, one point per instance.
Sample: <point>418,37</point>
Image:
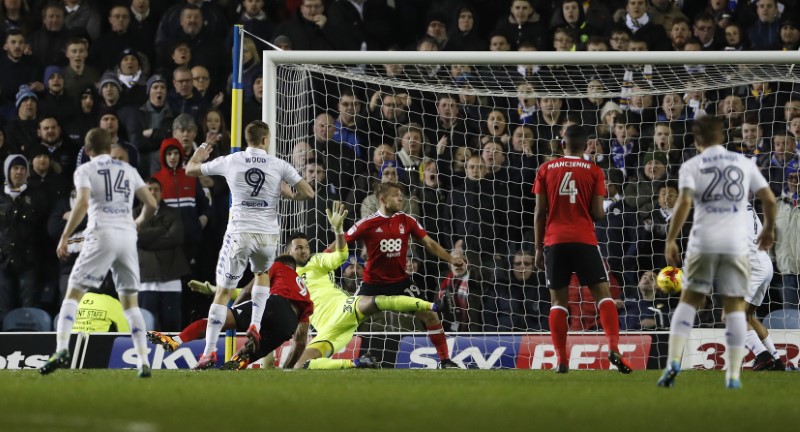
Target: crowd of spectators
<point>156,75</point>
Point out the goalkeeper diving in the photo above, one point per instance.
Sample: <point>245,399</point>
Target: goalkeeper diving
<point>337,314</point>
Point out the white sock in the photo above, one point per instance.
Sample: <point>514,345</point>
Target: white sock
<point>66,320</point>
<point>767,341</point>
<point>753,343</point>
<point>138,332</point>
<point>679,330</point>
<point>260,294</point>
<point>216,319</point>
<point>735,331</point>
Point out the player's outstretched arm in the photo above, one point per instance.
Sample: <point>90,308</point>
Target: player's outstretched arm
<point>770,207</point>
<point>681,212</point>
<point>299,341</point>
<point>200,155</point>
<point>539,219</point>
<point>336,217</point>
<point>303,191</point>
<point>435,248</point>
<point>78,213</point>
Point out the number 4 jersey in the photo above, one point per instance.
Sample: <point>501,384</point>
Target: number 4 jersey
<point>721,181</point>
<point>569,183</point>
<point>254,178</point>
<point>113,184</point>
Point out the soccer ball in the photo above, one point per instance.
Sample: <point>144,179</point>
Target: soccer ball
<point>670,279</point>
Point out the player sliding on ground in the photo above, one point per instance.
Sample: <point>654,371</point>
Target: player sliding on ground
<point>337,314</point>
<point>569,198</point>
<point>717,181</point>
<point>256,181</point>
<point>286,314</point>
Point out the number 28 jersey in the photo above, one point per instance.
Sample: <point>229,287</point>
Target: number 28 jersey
<point>254,178</point>
<point>570,183</point>
<point>113,185</point>
<point>386,240</point>
<point>721,180</point>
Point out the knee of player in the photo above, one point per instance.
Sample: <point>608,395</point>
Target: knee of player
<point>427,316</point>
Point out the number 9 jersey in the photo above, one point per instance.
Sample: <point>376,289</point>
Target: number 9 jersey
<point>721,181</point>
<point>569,183</point>
<point>254,178</point>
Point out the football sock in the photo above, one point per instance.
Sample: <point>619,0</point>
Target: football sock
<point>66,319</point>
<point>192,331</point>
<point>767,341</point>
<point>753,343</point>
<point>437,337</point>
<point>679,329</point>
<point>327,363</point>
<point>735,334</point>
<point>138,332</point>
<point>558,332</point>
<point>260,294</point>
<point>401,304</point>
<point>609,318</point>
<point>216,319</point>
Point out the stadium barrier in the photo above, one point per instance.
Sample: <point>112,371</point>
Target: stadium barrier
<point>705,350</point>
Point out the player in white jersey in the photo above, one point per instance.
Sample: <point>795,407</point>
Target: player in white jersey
<point>717,181</point>
<point>758,339</point>
<point>255,179</point>
<point>105,188</point>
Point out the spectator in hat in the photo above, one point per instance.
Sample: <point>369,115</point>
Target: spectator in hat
<point>23,212</point>
<point>16,69</point>
<point>283,42</point>
<point>764,34</point>
<point>45,176</point>
<point>308,29</point>
<point>132,78</point>
<point>115,39</point>
<point>82,17</point>
<point>156,124</point>
<point>789,35</point>
<point>47,42</point>
<point>54,101</point>
<point>63,152</point>
<point>21,132</point>
<point>86,111</point>
<point>464,34</point>
<point>252,110</point>
<point>523,24</point>
<point>436,29</point>
<point>110,122</point>
<point>362,25</point>
<point>77,75</point>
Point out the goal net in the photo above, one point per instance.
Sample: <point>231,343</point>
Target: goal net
<point>464,134</point>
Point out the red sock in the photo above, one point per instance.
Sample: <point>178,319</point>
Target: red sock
<point>609,318</point>
<point>193,331</point>
<point>558,332</point>
<point>437,337</point>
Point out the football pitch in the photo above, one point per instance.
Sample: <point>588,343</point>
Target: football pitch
<point>393,400</point>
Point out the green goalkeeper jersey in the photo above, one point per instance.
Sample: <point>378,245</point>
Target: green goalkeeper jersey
<point>328,298</point>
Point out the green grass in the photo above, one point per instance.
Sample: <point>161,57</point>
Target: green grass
<point>391,400</point>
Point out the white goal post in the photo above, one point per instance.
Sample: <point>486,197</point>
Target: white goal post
<point>625,100</point>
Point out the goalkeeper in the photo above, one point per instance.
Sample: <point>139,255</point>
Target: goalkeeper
<point>337,314</point>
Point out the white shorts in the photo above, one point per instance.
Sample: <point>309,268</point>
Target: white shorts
<point>103,250</point>
<point>730,273</point>
<point>760,278</point>
<point>239,249</point>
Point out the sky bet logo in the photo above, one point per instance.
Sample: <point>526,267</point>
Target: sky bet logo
<point>123,355</point>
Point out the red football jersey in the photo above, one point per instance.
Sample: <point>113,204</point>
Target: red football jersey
<point>285,282</point>
<point>570,183</point>
<point>386,239</point>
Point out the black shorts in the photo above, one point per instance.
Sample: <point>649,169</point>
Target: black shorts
<point>563,259</point>
<point>277,325</point>
<point>404,287</point>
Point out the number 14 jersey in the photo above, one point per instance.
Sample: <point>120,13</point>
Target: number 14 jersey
<point>721,180</point>
<point>254,178</point>
<point>113,184</point>
<point>569,183</point>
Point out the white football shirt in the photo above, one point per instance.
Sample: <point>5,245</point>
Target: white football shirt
<point>756,255</point>
<point>113,184</point>
<point>254,178</point>
<point>721,181</point>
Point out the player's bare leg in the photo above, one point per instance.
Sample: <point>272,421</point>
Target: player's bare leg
<point>679,330</point>
<point>559,314</point>
<point>66,320</point>
<point>609,318</point>
<point>735,335</point>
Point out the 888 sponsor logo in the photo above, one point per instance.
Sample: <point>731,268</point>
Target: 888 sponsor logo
<point>391,247</point>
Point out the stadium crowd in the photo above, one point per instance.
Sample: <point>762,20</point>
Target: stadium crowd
<point>156,75</point>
